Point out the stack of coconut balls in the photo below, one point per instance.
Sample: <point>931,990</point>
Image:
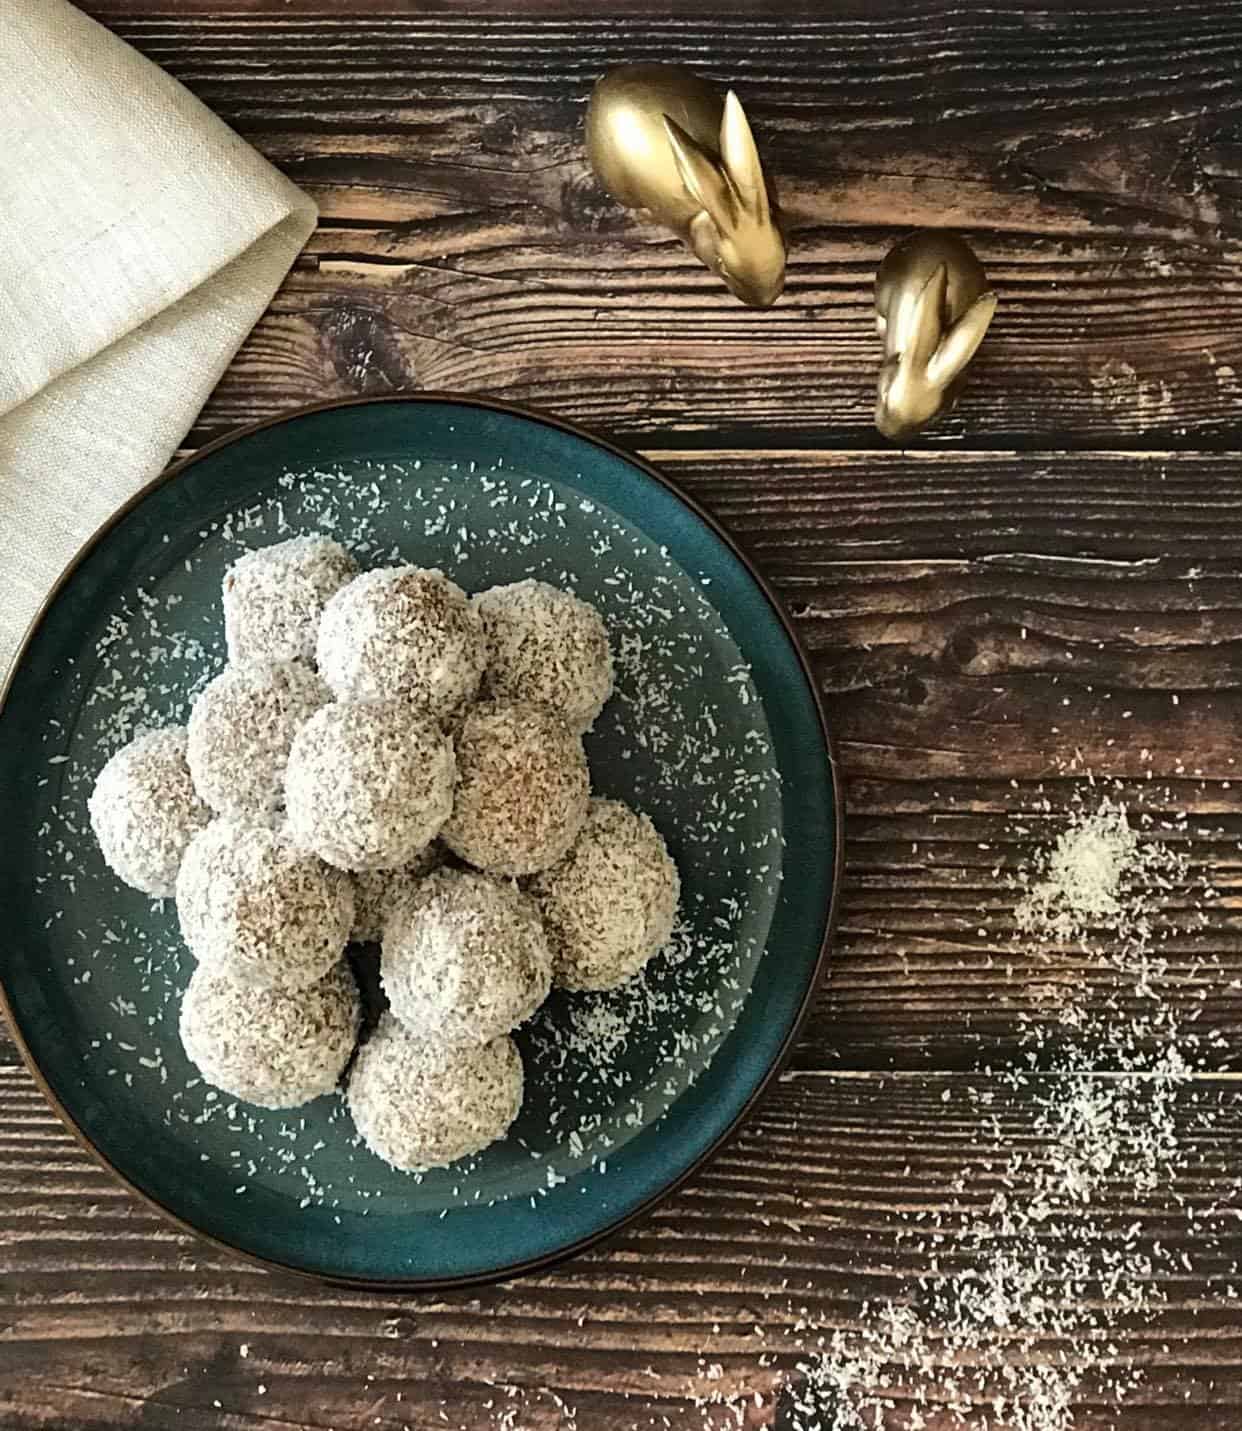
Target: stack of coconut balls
<point>386,759</point>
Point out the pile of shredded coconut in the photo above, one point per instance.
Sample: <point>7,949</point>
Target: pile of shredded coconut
<point>1099,875</point>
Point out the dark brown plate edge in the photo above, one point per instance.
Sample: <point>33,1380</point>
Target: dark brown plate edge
<point>548,1260</point>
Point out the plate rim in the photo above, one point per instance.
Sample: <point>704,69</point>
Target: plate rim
<point>548,1260</point>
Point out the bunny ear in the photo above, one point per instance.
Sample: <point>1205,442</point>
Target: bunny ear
<point>700,173</point>
<point>920,324</point>
<point>961,341</point>
<point>741,158</point>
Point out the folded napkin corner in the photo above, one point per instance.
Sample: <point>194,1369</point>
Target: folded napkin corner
<point>141,239</point>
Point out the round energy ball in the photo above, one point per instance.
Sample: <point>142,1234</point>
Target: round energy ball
<point>241,728</point>
<point>274,597</point>
<point>403,631</point>
<point>376,892</point>
<point>522,789</point>
<point>277,1048</point>
<point>368,784</point>
<point>610,904</point>
<point>465,958</point>
<point>144,811</point>
<point>546,646</point>
<point>422,1105</point>
<point>255,910</point>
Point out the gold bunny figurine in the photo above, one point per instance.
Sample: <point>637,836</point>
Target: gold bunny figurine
<point>933,306</point>
<point>661,139</point>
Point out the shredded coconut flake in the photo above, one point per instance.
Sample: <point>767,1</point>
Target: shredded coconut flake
<point>1099,874</point>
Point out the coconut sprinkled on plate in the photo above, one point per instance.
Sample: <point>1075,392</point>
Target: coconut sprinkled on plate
<point>160,644</point>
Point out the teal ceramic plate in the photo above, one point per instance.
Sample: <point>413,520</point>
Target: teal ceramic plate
<point>715,731</point>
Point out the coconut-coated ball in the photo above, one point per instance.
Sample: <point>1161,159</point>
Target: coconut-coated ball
<point>522,789</point>
<point>406,632</point>
<point>611,903</point>
<point>241,728</point>
<point>368,784</point>
<point>274,1047</point>
<point>376,892</point>
<point>144,810</point>
<point>274,597</point>
<point>255,910</point>
<point>422,1105</point>
<point>546,646</point>
<point>465,958</point>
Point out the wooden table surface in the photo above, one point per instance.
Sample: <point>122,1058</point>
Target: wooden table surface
<point>1046,588</point>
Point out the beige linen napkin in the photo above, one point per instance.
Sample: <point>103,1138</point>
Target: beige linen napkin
<point>140,240</point>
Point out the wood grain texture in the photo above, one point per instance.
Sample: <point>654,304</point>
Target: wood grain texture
<point>1048,590</point>
<point>829,1199</point>
<point>985,631</point>
<point>464,245</point>
<point>110,11</point>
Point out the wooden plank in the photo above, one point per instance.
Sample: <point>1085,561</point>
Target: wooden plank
<point>988,632</point>
<point>636,341</point>
<point>838,1198</point>
<point>109,10</point>
<point>929,968</point>
<point>464,244</point>
<point>982,616</point>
